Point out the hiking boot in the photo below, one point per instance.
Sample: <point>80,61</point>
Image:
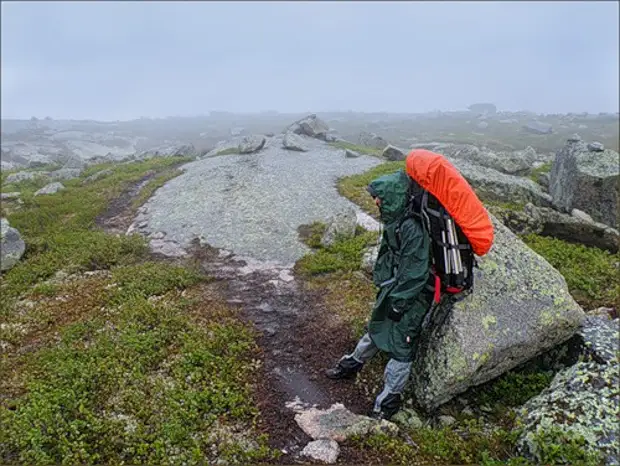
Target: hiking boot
<point>346,368</point>
<point>388,408</point>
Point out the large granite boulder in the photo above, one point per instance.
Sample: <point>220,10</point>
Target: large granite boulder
<point>586,180</point>
<point>12,246</point>
<point>576,228</point>
<point>518,162</point>
<point>292,141</point>
<point>582,403</point>
<point>372,140</point>
<point>65,174</point>
<point>251,144</point>
<point>393,153</point>
<point>520,308</point>
<point>492,185</point>
<point>311,126</point>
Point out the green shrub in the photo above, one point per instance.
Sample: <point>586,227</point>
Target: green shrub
<point>345,255</point>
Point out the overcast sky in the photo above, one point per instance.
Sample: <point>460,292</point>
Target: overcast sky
<point>123,60</point>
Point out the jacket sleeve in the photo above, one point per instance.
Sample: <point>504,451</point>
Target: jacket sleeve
<point>413,266</point>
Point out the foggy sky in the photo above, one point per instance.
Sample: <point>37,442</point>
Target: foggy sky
<point>124,60</point>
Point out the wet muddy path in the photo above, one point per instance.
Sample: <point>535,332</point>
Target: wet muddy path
<point>298,338</point>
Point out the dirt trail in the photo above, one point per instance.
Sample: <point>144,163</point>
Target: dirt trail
<point>299,340</point>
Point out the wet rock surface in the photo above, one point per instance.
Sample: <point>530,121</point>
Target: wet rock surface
<point>253,204</point>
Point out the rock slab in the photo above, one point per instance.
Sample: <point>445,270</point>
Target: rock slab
<point>338,423</point>
<point>520,308</point>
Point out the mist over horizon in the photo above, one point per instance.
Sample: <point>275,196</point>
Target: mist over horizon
<point>111,61</point>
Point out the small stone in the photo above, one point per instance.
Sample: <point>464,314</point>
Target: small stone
<point>323,450</point>
<point>581,215</point>
<point>574,138</point>
<point>351,154</point>
<point>408,417</point>
<point>446,421</point>
<point>158,235</point>
<point>285,276</point>
<point>467,411</point>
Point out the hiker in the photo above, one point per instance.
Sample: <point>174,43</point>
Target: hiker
<point>404,297</point>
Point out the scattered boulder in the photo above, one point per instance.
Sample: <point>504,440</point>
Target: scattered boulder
<point>482,125</point>
<point>251,144</point>
<point>408,418</point>
<point>25,175</point>
<point>579,228</point>
<point>582,402</point>
<point>51,188</point>
<point>311,126</point>
<point>372,140</point>
<point>98,175</point>
<point>521,307</point>
<point>538,127</point>
<point>65,174</point>
<point>10,196</point>
<point>185,150</point>
<point>519,222</point>
<point>338,423</point>
<point>596,147</point>
<point>351,154</point>
<point>323,450</point>
<point>369,258</point>
<point>393,153</point>
<point>587,181</point>
<point>512,163</point>
<point>446,421</point>
<point>294,142</point>
<point>12,246</point>
<point>492,185</point>
<point>341,225</point>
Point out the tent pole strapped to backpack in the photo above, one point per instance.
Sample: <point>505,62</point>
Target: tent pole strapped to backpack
<point>457,222</point>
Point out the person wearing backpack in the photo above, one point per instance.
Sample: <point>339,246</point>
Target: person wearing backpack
<point>434,224</point>
<point>401,273</point>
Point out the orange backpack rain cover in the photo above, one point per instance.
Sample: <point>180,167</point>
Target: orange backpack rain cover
<point>439,177</point>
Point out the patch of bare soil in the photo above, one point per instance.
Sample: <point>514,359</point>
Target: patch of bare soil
<point>119,215</point>
<point>299,340</point>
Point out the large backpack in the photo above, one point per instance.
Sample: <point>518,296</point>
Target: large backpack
<point>456,220</point>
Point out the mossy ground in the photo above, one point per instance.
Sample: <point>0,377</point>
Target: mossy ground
<point>109,357</point>
<point>350,294</point>
<point>356,148</point>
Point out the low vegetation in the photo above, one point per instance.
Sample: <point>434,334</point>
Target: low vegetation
<point>592,274</point>
<point>356,148</point>
<point>109,357</point>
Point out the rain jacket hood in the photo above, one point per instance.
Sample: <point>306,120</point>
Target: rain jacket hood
<point>392,190</point>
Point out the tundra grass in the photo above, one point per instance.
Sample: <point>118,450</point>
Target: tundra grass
<point>110,358</point>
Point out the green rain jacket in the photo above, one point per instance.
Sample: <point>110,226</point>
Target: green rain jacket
<point>401,272</point>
